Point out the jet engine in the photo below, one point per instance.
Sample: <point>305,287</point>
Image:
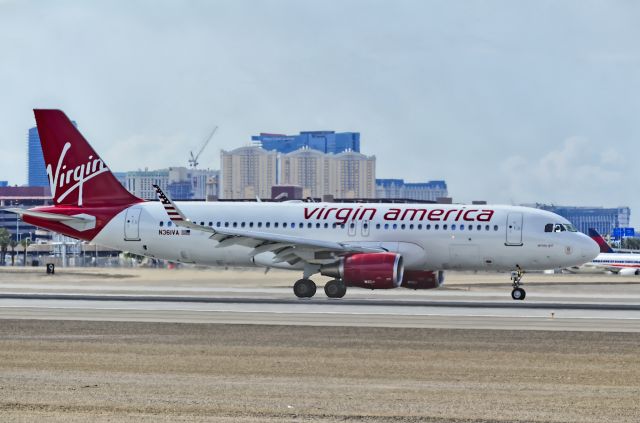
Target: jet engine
<point>367,270</point>
<point>422,279</point>
<point>628,271</point>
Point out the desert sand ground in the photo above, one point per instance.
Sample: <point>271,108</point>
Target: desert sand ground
<point>126,372</point>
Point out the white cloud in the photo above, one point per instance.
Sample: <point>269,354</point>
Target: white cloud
<point>578,172</point>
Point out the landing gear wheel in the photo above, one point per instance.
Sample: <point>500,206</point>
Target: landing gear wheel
<point>518,294</point>
<point>304,288</point>
<point>335,289</point>
<point>516,278</point>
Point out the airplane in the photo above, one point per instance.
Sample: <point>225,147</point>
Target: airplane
<point>367,245</point>
<point>608,260</point>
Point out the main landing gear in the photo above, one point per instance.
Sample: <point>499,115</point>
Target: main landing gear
<point>335,289</point>
<point>516,277</point>
<point>306,288</point>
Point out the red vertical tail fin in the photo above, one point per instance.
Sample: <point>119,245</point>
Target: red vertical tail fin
<point>604,247</point>
<point>77,175</point>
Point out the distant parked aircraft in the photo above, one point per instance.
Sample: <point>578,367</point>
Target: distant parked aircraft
<point>608,260</point>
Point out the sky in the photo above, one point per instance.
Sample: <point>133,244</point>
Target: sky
<point>508,101</point>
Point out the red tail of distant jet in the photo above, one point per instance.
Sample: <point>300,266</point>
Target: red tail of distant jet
<point>604,247</point>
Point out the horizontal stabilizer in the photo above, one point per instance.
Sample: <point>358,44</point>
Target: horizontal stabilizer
<point>79,222</point>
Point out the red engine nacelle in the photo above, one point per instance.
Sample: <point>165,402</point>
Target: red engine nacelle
<point>367,270</point>
<point>422,279</point>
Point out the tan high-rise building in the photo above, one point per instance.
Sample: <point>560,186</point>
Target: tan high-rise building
<point>308,168</point>
<point>344,175</point>
<point>247,172</point>
<point>354,175</point>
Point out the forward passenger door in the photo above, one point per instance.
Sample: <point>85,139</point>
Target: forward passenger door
<point>514,229</point>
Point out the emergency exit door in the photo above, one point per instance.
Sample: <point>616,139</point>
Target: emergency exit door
<point>514,229</point>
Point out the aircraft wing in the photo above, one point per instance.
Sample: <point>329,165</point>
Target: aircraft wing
<point>284,245</point>
<point>601,267</point>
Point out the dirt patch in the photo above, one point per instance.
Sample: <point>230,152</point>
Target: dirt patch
<point>105,371</point>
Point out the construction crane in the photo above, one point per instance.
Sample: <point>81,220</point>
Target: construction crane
<point>193,161</point>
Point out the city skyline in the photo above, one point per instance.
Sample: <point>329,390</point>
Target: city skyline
<point>509,102</point>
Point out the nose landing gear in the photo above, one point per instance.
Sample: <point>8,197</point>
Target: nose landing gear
<point>516,277</point>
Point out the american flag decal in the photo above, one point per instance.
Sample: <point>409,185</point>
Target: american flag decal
<point>168,206</point>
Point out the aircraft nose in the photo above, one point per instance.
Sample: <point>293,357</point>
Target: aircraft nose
<point>590,249</point>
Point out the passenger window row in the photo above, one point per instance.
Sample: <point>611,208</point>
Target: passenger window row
<point>325,225</point>
<point>436,227</point>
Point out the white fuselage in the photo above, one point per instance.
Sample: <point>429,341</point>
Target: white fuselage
<point>623,263</point>
<point>428,236</point>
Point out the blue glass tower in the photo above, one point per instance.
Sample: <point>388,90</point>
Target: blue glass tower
<point>37,174</point>
<point>325,141</point>
<point>36,169</point>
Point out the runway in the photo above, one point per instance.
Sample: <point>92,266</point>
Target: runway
<point>614,307</point>
<point>324,312</point>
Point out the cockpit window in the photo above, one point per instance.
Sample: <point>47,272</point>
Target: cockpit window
<point>559,227</point>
